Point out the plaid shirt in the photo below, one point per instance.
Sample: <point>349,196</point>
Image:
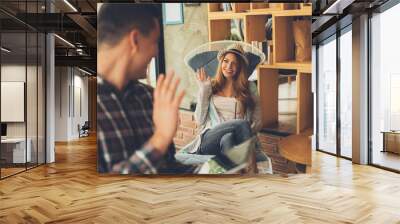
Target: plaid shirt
<point>124,125</point>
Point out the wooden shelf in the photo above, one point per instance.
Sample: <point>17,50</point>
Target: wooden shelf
<point>304,67</point>
<point>258,6</point>
<point>219,29</point>
<point>255,16</point>
<point>241,7</point>
<point>254,28</point>
<point>286,125</point>
<point>225,15</point>
<point>236,7</point>
<point>268,79</point>
<point>257,12</point>
<point>213,7</point>
<point>274,6</point>
<point>305,102</point>
<point>283,32</point>
<point>297,12</point>
<point>266,10</point>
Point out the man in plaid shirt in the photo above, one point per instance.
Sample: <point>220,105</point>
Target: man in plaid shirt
<point>135,125</point>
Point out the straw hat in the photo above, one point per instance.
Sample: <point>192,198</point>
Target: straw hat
<point>236,49</point>
<point>210,54</point>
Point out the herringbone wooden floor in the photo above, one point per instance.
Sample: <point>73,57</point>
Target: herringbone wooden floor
<point>70,191</point>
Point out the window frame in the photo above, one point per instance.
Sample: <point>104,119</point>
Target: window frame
<point>333,37</point>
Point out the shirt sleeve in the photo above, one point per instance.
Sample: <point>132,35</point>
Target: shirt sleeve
<point>256,123</point>
<point>144,161</point>
<point>203,100</point>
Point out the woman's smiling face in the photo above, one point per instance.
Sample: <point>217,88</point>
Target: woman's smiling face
<point>229,65</point>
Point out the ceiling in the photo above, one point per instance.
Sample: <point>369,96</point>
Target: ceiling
<point>73,20</point>
<point>332,15</point>
<point>76,22</point>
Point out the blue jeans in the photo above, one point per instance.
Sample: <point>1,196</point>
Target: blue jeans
<point>224,136</point>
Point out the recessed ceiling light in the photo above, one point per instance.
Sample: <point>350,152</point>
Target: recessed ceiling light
<point>70,5</point>
<point>64,40</point>
<point>84,71</point>
<point>5,50</point>
<point>337,7</point>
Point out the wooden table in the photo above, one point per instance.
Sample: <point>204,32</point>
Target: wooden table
<point>13,150</point>
<point>297,148</point>
<point>391,141</point>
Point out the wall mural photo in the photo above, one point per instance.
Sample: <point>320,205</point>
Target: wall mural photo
<point>236,96</point>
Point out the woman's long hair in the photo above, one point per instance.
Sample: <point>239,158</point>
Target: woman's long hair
<point>240,85</point>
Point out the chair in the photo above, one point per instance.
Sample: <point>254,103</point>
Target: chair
<point>84,130</point>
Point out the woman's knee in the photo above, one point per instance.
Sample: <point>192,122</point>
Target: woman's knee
<point>243,127</point>
<point>228,140</point>
<point>238,123</point>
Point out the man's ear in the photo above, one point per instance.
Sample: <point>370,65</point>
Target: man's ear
<point>134,40</point>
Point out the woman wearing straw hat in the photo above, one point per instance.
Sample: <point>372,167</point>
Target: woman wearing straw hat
<point>228,110</point>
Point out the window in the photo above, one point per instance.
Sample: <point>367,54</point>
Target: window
<point>385,86</point>
<point>22,64</point>
<point>346,74</point>
<point>327,96</point>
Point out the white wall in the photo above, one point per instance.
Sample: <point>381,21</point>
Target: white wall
<point>12,101</point>
<point>70,84</point>
<point>179,40</point>
<point>33,126</point>
<point>80,96</point>
<point>14,73</point>
<point>61,103</point>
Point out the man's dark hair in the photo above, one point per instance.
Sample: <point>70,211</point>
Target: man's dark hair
<point>115,20</point>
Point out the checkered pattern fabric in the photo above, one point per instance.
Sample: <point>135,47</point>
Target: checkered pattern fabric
<point>124,125</point>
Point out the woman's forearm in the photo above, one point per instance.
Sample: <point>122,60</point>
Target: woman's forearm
<point>203,100</point>
<point>256,124</point>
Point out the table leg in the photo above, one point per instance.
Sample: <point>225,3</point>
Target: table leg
<point>384,142</point>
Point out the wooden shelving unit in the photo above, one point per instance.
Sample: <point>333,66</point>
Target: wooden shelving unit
<point>254,16</point>
<point>304,67</point>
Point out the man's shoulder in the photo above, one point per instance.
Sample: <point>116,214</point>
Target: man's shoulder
<point>145,87</point>
<point>142,91</point>
<point>103,88</point>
